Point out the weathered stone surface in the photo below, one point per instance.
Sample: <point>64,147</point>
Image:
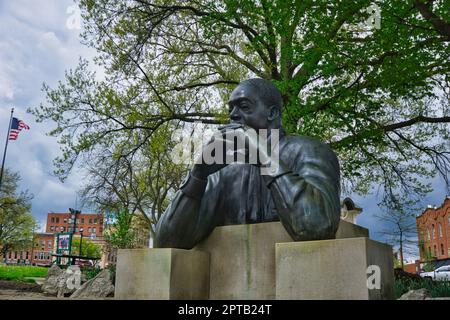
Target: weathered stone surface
<point>62,282</point>
<point>50,284</point>
<point>240,264</point>
<point>162,274</point>
<point>420,294</point>
<point>98,287</point>
<point>353,268</point>
<point>243,258</point>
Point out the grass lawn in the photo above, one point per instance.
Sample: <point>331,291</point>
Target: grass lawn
<point>18,273</point>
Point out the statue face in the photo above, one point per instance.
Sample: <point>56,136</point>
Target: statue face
<point>246,107</point>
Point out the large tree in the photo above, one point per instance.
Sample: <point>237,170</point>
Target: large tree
<point>378,96</point>
<point>16,222</point>
<point>142,184</point>
<point>399,226</point>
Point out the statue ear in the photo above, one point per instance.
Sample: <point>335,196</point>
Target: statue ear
<point>274,113</point>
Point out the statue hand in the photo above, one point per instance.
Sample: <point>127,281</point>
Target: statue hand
<point>254,147</point>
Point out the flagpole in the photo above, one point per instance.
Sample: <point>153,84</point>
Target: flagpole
<point>6,147</point>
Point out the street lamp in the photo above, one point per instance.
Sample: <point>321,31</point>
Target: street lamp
<point>81,239</point>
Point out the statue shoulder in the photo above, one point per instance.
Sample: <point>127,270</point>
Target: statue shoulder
<point>305,142</point>
<point>305,146</point>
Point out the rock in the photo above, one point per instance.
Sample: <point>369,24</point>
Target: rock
<point>63,282</point>
<point>50,284</point>
<point>420,294</point>
<point>98,287</point>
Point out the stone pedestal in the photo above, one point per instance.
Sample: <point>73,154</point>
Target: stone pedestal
<point>256,261</point>
<point>355,268</point>
<point>162,274</point>
<point>243,258</point>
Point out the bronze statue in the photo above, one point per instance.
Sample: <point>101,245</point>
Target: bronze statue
<point>303,192</point>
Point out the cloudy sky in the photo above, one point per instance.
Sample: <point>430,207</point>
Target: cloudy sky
<point>39,40</point>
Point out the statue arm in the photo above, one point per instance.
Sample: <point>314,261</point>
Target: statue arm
<point>306,194</point>
<point>185,222</point>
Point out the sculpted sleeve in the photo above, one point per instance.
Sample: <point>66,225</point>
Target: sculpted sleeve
<point>186,220</point>
<point>306,189</point>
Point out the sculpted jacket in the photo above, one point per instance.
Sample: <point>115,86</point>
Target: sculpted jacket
<point>306,199</point>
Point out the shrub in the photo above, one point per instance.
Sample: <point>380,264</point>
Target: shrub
<point>90,272</point>
<point>434,288</point>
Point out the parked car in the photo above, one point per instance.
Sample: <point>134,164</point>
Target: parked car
<point>440,274</point>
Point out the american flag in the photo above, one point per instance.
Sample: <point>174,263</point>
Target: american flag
<point>16,126</point>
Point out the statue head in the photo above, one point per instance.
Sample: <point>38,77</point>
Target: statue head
<point>256,103</point>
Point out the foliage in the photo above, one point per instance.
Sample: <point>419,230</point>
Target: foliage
<point>21,272</point>
<point>88,248</point>
<point>379,97</point>
<point>16,223</point>
<point>90,272</point>
<point>434,288</point>
<point>142,185</point>
<point>120,233</point>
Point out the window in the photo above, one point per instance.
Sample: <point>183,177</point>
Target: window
<point>69,230</point>
<point>435,251</point>
<point>35,255</point>
<point>57,220</point>
<point>63,229</point>
<point>429,251</point>
<point>82,220</point>
<point>100,229</point>
<point>76,229</point>
<point>89,230</point>
<point>53,219</point>
<point>43,242</point>
<point>428,234</point>
<point>78,221</point>
<point>434,232</point>
<point>49,244</point>
<point>15,254</point>
<point>442,249</point>
<point>93,230</point>
<point>440,230</point>
<point>41,255</point>
<point>90,221</point>
<point>95,221</point>
<point>26,256</point>
<point>65,220</point>
<point>10,255</point>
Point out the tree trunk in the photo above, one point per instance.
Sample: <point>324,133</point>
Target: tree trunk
<point>401,250</point>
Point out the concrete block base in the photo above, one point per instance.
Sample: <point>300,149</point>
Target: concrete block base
<point>162,274</point>
<point>243,258</point>
<point>354,268</point>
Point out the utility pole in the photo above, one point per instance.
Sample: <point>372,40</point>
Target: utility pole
<point>73,215</point>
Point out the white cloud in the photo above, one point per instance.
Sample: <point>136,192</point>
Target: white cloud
<point>36,47</point>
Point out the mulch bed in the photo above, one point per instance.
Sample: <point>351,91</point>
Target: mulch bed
<point>20,286</point>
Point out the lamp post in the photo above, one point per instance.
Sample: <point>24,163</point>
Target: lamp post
<point>73,215</point>
<point>81,240</point>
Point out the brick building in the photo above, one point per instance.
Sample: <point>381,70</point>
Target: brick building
<point>91,223</point>
<point>39,253</point>
<point>433,230</point>
<point>44,244</point>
